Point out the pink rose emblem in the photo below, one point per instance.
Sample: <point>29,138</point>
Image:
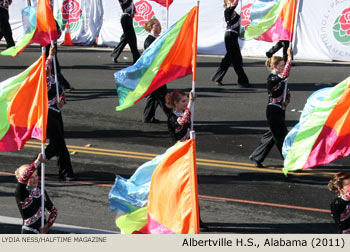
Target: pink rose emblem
<point>344,21</point>
<point>245,15</point>
<point>71,11</point>
<point>143,13</point>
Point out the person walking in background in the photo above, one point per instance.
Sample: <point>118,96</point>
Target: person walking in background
<point>280,44</point>
<point>340,206</point>
<point>278,99</point>
<point>157,97</point>
<point>233,52</point>
<point>55,130</point>
<point>5,28</point>
<point>28,198</point>
<point>129,35</point>
<point>61,79</point>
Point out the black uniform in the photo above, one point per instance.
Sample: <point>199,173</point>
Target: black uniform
<point>275,114</point>
<point>128,36</point>
<point>55,132</point>
<point>277,46</point>
<point>179,125</point>
<point>29,204</point>
<point>233,52</point>
<point>61,80</point>
<point>340,211</point>
<point>155,98</point>
<point>5,28</point>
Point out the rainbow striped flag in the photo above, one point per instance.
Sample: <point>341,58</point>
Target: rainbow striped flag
<point>172,204</point>
<point>271,20</point>
<point>324,134</point>
<point>167,59</point>
<point>39,26</point>
<point>23,107</point>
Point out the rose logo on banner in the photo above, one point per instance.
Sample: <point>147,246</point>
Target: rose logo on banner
<point>341,27</point>
<point>245,17</point>
<point>70,15</point>
<point>143,13</point>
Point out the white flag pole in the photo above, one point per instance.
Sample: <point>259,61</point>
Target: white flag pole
<point>167,15</point>
<point>292,43</point>
<point>194,62</point>
<point>295,25</point>
<point>43,187</point>
<point>42,176</point>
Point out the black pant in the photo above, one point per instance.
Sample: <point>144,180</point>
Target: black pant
<point>128,37</point>
<point>57,146</point>
<point>5,28</point>
<point>233,56</point>
<point>61,80</point>
<point>154,99</point>
<point>279,45</point>
<point>276,134</point>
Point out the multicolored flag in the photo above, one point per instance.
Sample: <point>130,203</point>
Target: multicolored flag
<point>173,199</point>
<point>167,59</point>
<point>39,27</point>
<point>129,196</point>
<point>165,3</point>
<point>324,134</point>
<point>270,20</point>
<point>172,205</point>
<point>23,107</point>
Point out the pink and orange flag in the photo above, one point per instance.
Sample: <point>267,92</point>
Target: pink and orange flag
<point>323,133</point>
<point>269,20</point>
<point>24,107</point>
<point>39,26</point>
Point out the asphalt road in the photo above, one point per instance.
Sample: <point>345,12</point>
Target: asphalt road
<point>234,196</point>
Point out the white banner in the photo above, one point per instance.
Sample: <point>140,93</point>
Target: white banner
<point>322,33</point>
<point>323,30</point>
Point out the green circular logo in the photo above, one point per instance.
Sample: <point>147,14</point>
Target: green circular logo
<point>341,28</point>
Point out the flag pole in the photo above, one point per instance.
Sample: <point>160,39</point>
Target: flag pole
<point>295,24</point>
<point>55,71</point>
<point>194,61</point>
<point>167,14</point>
<point>192,132</point>
<point>291,44</point>
<point>42,176</point>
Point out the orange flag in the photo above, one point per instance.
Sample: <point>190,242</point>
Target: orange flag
<point>24,107</point>
<point>173,198</point>
<point>46,29</point>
